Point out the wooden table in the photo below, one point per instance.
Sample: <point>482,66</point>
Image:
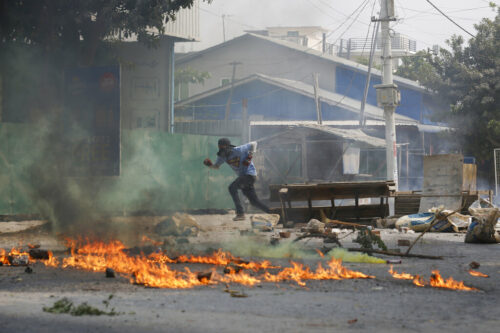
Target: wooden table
<point>288,193</point>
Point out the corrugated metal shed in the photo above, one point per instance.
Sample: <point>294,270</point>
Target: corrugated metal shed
<point>187,23</point>
<point>295,132</point>
<point>350,123</point>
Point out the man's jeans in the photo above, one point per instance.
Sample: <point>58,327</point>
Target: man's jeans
<point>245,183</point>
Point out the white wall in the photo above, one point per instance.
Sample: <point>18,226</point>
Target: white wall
<point>260,56</point>
<point>145,85</point>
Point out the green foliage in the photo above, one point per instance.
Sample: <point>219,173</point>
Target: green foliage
<point>366,238</point>
<point>190,75</point>
<point>62,23</point>
<point>64,305</point>
<point>466,82</point>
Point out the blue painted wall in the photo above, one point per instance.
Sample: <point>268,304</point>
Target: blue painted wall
<point>270,101</point>
<point>352,84</point>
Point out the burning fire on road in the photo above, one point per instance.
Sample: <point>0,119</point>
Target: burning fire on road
<point>436,280</point>
<point>155,269</point>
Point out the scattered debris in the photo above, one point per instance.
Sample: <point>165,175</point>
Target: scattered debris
<point>110,273</point>
<point>434,223</point>
<point>352,321</point>
<point>232,268</point>
<point>64,305</point>
<point>285,234</point>
<point>315,227</point>
<point>264,222</point>
<point>388,222</point>
<point>235,293</point>
<point>392,253</point>
<point>179,224</point>
<point>393,261</point>
<point>18,259</point>
<point>482,227</point>
<point>204,276</point>
<point>275,240</point>
<point>327,238</point>
<point>366,238</point>
<point>332,223</point>
<point>28,270</point>
<point>474,265</point>
<point>39,254</point>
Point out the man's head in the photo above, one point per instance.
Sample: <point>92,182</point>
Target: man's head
<point>225,147</point>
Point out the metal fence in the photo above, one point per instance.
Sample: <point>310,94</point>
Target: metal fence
<point>496,155</point>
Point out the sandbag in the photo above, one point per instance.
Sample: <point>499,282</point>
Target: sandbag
<point>482,227</point>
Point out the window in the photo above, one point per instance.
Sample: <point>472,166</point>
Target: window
<point>181,91</point>
<point>292,34</point>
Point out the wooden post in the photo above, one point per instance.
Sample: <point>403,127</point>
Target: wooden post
<point>283,194</point>
<point>304,159</point>
<point>229,99</point>
<point>244,121</point>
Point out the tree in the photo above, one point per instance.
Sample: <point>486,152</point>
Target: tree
<point>82,24</point>
<point>39,38</point>
<point>465,81</point>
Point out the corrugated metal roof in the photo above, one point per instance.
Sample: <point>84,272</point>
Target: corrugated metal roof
<point>350,123</point>
<point>335,59</point>
<point>333,99</point>
<point>186,24</point>
<point>355,135</point>
<point>305,89</point>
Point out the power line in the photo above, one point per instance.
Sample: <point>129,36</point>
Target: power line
<point>449,18</point>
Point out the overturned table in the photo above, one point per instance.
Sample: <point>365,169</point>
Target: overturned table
<point>288,193</point>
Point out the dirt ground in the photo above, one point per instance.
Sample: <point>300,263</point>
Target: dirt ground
<point>379,304</point>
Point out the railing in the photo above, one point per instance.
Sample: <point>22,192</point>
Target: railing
<point>397,43</point>
<point>210,127</point>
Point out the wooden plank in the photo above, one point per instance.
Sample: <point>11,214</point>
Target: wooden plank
<point>364,213</point>
<point>443,174</point>
<point>328,191</point>
<point>469,177</point>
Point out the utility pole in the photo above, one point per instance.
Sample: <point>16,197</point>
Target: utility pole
<point>224,16</point>
<point>316,99</point>
<point>223,28</point>
<point>373,48</point>
<point>388,95</point>
<point>228,104</point>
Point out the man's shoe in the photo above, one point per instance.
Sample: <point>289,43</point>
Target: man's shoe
<point>239,217</point>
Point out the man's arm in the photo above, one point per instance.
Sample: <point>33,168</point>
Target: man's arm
<point>252,147</point>
<point>208,163</point>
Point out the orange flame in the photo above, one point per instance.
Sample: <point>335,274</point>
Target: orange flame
<point>298,273</point>
<point>438,282</point>
<point>418,281</point>
<point>321,254</point>
<point>479,274</point>
<point>401,276</point>
<point>153,271</point>
<point>9,259</point>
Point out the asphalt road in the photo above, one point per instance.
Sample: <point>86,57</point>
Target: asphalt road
<point>374,305</point>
